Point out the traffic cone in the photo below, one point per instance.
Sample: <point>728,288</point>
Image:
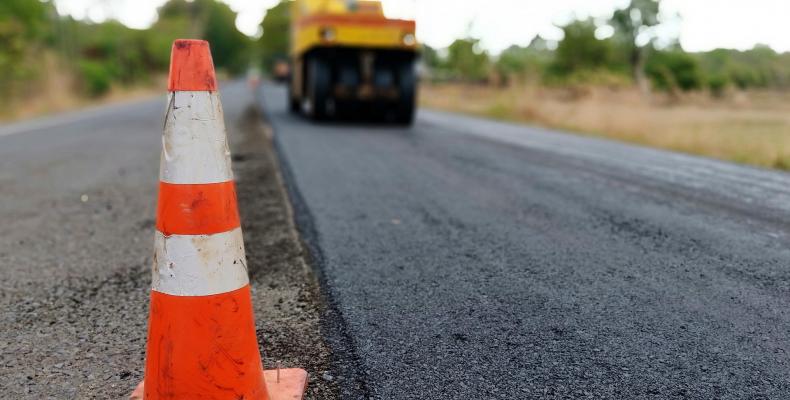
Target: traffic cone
<point>201,331</point>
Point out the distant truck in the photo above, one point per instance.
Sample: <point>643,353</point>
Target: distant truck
<point>347,58</point>
<point>281,71</point>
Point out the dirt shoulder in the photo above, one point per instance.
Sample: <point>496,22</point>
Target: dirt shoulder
<point>286,296</point>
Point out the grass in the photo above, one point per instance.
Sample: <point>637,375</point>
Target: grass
<point>750,128</point>
<point>55,92</point>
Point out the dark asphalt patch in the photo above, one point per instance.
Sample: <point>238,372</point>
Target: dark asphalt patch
<point>476,260</point>
<point>349,373</point>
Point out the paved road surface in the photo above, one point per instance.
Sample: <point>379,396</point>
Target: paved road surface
<point>470,259</point>
<point>462,258</point>
<point>73,273</point>
<point>77,198</point>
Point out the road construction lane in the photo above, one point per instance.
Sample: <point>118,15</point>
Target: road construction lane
<point>470,259</point>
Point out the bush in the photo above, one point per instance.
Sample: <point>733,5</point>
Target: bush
<point>523,62</point>
<point>717,84</point>
<point>590,77</point>
<point>580,50</point>
<point>96,77</point>
<point>467,60</point>
<point>671,70</point>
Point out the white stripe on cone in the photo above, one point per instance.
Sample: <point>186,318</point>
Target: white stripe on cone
<point>194,144</point>
<point>199,265</point>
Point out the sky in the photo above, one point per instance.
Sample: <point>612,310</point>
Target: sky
<point>703,24</point>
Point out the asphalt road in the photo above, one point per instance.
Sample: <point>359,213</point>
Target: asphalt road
<point>73,273</point>
<point>471,259</point>
<point>77,207</point>
<point>460,258</point>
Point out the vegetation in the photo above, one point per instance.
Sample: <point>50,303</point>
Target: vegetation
<point>630,54</point>
<point>632,25</point>
<point>621,51</point>
<point>276,33</point>
<point>22,23</point>
<point>753,129</point>
<point>615,78</point>
<point>94,57</point>
<point>580,50</point>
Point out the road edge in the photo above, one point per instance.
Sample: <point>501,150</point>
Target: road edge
<point>346,363</point>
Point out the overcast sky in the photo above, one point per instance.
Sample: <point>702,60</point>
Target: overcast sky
<point>704,24</point>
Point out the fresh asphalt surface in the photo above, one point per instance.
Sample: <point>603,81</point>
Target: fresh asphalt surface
<point>471,259</point>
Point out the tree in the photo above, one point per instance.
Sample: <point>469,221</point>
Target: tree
<point>512,62</point>
<point>633,27</point>
<point>673,70</point>
<point>276,26</point>
<point>522,62</point>
<point>108,52</point>
<point>467,60</point>
<point>430,57</point>
<point>760,66</point>
<point>23,28</point>
<point>205,19</point>
<point>30,18</point>
<point>580,49</point>
<point>229,47</point>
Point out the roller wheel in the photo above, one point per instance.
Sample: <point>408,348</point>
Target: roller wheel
<point>318,84</point>
<point>407,85</point>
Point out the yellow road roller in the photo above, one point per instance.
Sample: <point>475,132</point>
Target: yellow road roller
<point>349,59</point>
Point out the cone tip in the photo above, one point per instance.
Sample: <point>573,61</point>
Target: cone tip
<point>191,66</point>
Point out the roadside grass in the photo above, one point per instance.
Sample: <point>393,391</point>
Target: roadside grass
<point>56,91</point>
<point>56,102</point>
<point>749,128</point>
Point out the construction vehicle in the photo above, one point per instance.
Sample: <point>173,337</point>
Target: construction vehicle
<point>348,58</point>
<point>281,71</point>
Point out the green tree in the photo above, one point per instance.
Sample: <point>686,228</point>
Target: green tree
<point>204,19</point>
<point>512,61</point>
<point>522,62</point>
<point>176,20</point>
<point>108,53</point>
<point>229,47</point>
<point>466,60</point>
<point>23,29</point>
<point>759,67</point>
<point>673,70</point>
<point>580,50</point>
<point>275,42</point>
<point>633,27</point>
<point>28,18</point>
<point>430,57</point>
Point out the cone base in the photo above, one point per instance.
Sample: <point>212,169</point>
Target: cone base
<point>292,384</point>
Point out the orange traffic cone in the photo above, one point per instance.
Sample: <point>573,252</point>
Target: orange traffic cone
<point>201,332</point>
